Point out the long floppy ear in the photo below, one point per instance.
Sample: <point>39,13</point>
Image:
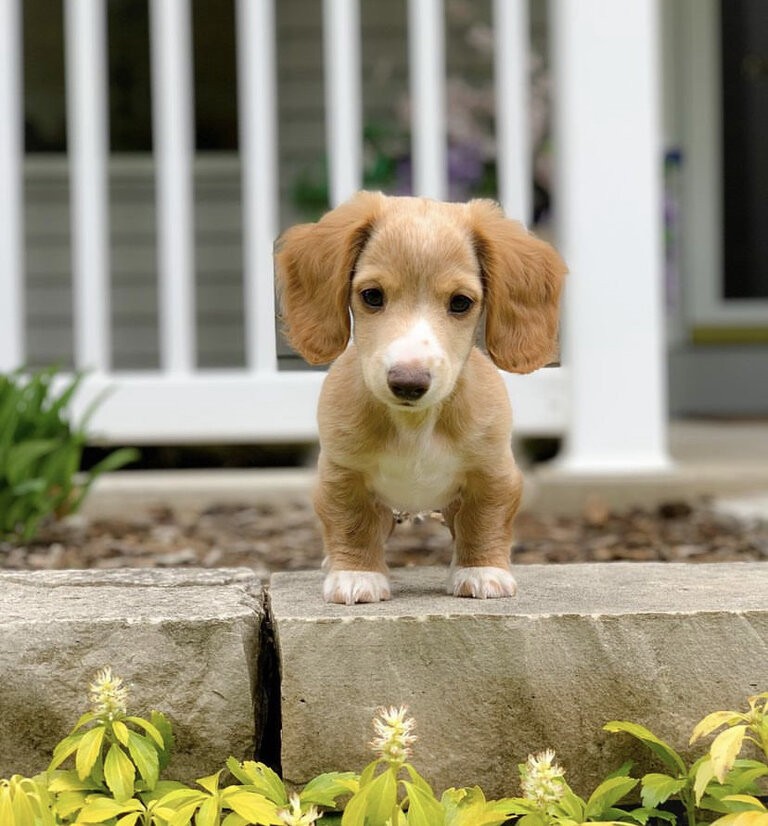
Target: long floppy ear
<point>523,278</point>
<point>314,264</point>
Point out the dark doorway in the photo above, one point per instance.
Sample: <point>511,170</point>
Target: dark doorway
<point>745,147</point>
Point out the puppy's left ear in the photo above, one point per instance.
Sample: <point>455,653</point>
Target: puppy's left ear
<point>523,279</point>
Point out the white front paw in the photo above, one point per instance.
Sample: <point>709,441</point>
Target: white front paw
<point>349,587</point>
<point>482,582</point>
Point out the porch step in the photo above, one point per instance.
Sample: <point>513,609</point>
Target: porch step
<point>490,681</point>
<point>186,643</point>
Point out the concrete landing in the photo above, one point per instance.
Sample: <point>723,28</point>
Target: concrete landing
<point>185,642</point>
<point>489,682</point>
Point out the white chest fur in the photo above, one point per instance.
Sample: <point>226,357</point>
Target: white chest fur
<point>418,472</point>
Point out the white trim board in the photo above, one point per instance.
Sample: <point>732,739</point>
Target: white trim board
<point>238,406</point>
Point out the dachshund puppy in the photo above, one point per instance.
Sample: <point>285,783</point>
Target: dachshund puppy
<point>412,415</point>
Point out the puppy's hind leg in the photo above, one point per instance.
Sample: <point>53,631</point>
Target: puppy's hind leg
<point>355,527</point>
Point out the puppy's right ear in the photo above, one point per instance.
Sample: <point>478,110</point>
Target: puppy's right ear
<point>314,265</point>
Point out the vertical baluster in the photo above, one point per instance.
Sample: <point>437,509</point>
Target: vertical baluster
<point>426,57</point>
<point>173,139</point>
<point>258,153</point>
<point>513,117</point>
<point>341,42</point>
<point>87,140</point>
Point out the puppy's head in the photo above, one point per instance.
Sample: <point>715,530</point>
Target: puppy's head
<point>417,276</point>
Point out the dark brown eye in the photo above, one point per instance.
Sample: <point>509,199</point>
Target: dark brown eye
<point>460,304</point>
<point>373,298</point>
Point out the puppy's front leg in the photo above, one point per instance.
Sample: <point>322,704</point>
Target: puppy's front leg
<point>355,527</point>
<point>481,524</point>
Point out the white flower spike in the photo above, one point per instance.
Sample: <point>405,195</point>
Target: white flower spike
<point>394,736</point>
<point>109,697</point>
<point>542,779</point>
<point>293,816</point>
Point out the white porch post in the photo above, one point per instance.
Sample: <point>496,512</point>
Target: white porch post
<point>609,209</point>
<point>12,303</point>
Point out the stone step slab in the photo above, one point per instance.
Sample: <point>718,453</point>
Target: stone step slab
<point>488,682</point>
<point>186,643</point>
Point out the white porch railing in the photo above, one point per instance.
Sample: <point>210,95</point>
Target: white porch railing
<point>608,400</point>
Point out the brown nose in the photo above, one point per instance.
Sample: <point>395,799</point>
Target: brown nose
<point>408,383</point>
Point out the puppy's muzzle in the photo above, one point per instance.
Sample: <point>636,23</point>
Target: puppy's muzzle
<point>408,383</point>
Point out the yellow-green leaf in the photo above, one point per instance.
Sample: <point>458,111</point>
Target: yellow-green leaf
<point>208,813</point>
<point>121,731</point>
<point>713,721</point>
<point>374,802</point>
<point>658,788</point>
<point>6,812</point>
<point>144,756</point>
<point>264,779</point>
<point>151,730</point>
<point>119,773</point>
<point>69,782</point>
<point>234,819</point>
<point>324,789</point>
<point>418,780</point>
<point>252,806</point>
<point>423,809</point>
<point>85,718</point>
<point>183,816</point>
<point>129,819</point>
<point>68,803</point>
<point>724,750</point>
<point>704,775</point>
<point>88,751</point>
<point>211,782</point>
<point>607,794</point>
<point>64,749</point>
<point>368,773</point>
<point>100,809</point>
<point>399,819</point>
<point>181,797</point>
<point>743,819</point>
<point>747,799</point>
<point>663,750</point>
<point>23,813</point>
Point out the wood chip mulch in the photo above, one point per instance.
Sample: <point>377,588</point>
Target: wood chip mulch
<point>271,537</point>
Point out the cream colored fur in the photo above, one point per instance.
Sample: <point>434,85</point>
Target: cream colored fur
<point>412,415</point>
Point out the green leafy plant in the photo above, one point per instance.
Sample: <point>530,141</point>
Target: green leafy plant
<point>115,755</point>
<point>658,787</point>
<point>40,453</point>
<point>723,782</point>
<point>548,800</point>
<point>717,782</point>
<point>25,802</point>
<point>392,793</point>
<point>116,760</point>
